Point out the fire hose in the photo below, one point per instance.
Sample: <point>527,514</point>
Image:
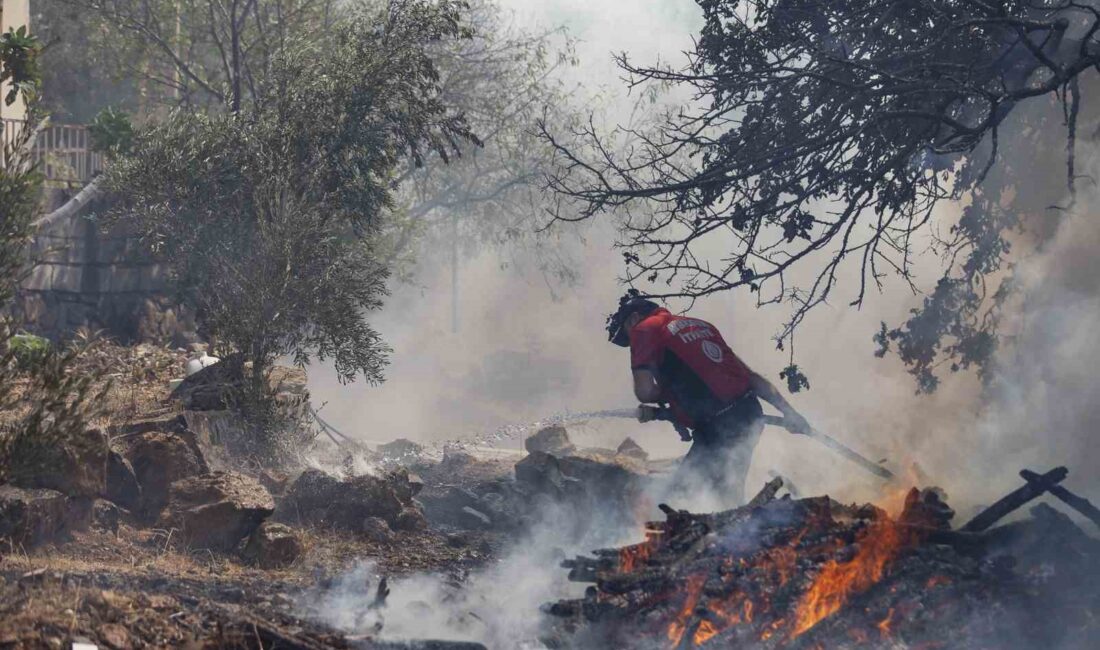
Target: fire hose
<point>647,412</point>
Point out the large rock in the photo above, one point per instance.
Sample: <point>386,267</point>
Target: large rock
<point>213,388</point>
<point>551,440</point>
<point>322,500</point>
<point>632,449</point>
<point>589,486</point>
<point>216,510</point>
<point>541,471</point>
<point>31,516</point>
<point>159,459</point>
<point>75,466</point>
<point>273,546</point>
<point>217,387</point>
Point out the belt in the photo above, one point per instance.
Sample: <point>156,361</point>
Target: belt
<point>732,405</point>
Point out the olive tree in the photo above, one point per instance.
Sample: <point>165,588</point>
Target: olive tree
<point>267,216</point>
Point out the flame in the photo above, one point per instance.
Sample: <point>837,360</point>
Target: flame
<point>770,631</point>
<point>694,590</point>
<point>634,557</point>
<point>704,633</point>
<point>884,625</point>
<point>837,581</point>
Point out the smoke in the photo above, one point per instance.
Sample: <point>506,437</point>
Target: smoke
<point>497,606</point>
<point>526,348</point>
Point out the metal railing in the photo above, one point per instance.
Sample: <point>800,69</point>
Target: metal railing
<point>62,151</point>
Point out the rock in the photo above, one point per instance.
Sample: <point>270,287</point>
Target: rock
<point>376,530</point>
<point>400,452</point>
<point>598,477</point>
<point>551,440</point>
<point>586,485</point>
<point>541,471</point>
<point>446,507</point>
<point>159,459</point>
<point>216,510</point>
<point>122,484</point>
<point>454,458</point>
<point>631,449</point>
<point>31,516</point>
<point>106,516</point>
<point>275,481</point>
<point>75,466</point>
<point>410,519</point>
<point>211,388</point>
<point>320,499</point>
<point>114,636</point>
<point>273,546</point>
<point>406,485</point>
<point>457,540</point>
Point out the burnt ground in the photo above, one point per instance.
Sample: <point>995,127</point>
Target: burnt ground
<point>136,587</point>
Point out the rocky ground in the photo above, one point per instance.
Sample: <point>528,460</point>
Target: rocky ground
<point>171,544</point>
<point>165,535</point>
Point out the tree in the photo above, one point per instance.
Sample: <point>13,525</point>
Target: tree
<point>266,216</point>
<point>826,133</point>
<point>19,184</point>
<point>209,54</point>
<point>502,78</point>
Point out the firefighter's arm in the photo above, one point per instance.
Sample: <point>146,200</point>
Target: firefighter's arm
<point>766,391</point>
<point>647,388</point>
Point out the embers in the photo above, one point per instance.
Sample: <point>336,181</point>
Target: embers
<point>814,573</point>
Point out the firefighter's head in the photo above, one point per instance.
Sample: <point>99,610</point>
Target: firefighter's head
<point>632,309</point>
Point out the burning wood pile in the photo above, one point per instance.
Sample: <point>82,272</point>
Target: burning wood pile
<point>813,573</point>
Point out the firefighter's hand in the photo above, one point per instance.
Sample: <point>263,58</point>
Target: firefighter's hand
<point>795,423</point>
<point>648,413</point>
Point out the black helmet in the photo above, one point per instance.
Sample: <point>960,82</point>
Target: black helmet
<point>629,304</point>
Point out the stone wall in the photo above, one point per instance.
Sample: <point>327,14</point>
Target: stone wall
<point>84,277</point>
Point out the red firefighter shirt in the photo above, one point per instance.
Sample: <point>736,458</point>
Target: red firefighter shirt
<point>699,374</point>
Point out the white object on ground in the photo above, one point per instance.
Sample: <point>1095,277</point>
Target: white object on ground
<point>196,364</point>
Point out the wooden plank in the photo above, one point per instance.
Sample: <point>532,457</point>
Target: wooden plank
<point>1015,499</point>
<point>1078,503</point>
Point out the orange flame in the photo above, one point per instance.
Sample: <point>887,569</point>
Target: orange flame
<point>634,557</point>
<point>694,589</point>
<point>884,625</point>
<point>838,581</point>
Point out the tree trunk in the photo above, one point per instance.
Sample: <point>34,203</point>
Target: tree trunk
<point>258,366</point>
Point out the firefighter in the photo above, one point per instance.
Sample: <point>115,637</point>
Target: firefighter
<point>713,398</point>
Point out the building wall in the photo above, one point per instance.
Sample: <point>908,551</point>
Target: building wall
<point>13,13</point>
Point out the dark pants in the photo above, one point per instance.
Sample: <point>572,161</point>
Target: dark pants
<point>721,451</point>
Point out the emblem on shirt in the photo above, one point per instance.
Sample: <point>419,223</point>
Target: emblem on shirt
<point>713,351</point>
